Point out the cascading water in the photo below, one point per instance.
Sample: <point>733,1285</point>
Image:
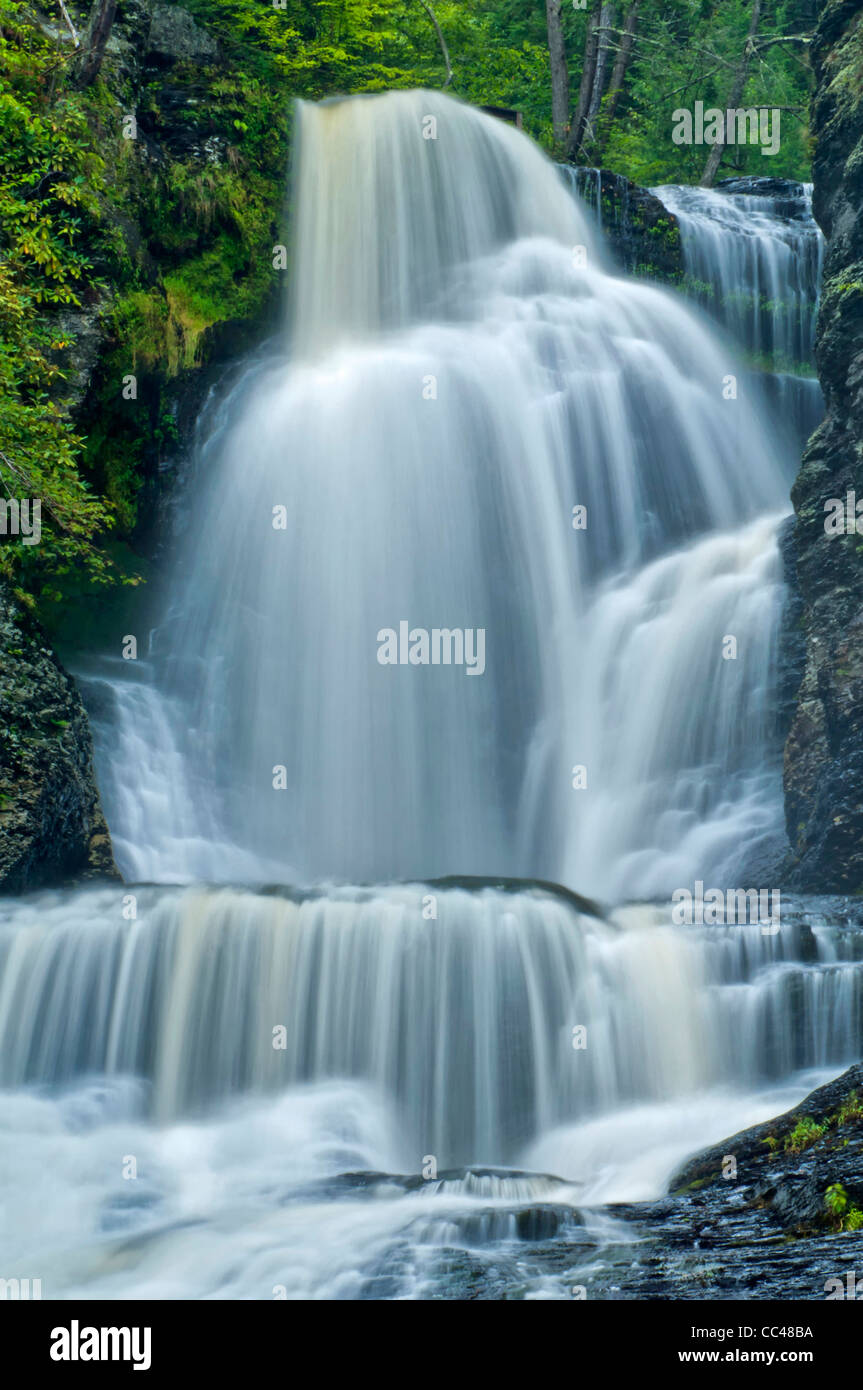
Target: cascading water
<point>463,371</point>
<point>460,382</point>
<point>756,260</point>
<point>365,986</point>
<point>295,1052</point>
<point>754,254</point>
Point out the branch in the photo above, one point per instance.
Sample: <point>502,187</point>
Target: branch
<point>784,38</point>
<point>27,482</point>
<point>69,25</point>
<point>733,100</point>
<point>699,77</point>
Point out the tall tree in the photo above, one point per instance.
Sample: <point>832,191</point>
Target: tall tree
<point>734,96</point>
<point>585,91</point>
<point>559,70</point>
<point>441,40</point>
<point>606,23</point>
<point>98,33</point>
<point>618,72</point>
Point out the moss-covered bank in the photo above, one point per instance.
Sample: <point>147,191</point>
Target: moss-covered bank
<point>196,150</point>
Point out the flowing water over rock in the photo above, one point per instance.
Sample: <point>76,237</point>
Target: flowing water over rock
<point>754,255</point>
<point>460,382</point>
<point>340,1091</point>
<point>295,1051</point>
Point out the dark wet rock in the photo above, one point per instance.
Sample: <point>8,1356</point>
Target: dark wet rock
<point>769,1233</point>
<point>824,751</point>
<point>123,61</point>
<point>448,1182</point>
<point>643,236</point>
<point>179,125</point>
<point>795,1199</point>
<point>51,822</point>
<point>475,883</point>
<point>789,195</point>
<point>717,1256</point>
<point>792,637</point>
<point>787,1165</point>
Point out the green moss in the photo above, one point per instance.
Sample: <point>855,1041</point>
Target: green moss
<point>140,325</point>
<point>228,281</point>
<point>200,255</point>
<point>695,1184</point>
<point>846,59</point>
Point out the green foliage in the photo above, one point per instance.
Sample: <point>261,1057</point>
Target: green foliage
<point>854,1220</point>
<point>322,48</point>
<point>804,1133</point>
<point>850,1110</point>
<point>845,1217</point>
<point>686,51</point>
<point>48,194</point>
<point>836,1199</point>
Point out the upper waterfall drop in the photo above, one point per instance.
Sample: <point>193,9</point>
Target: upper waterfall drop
<point>464,372</point>
<point>393,194</point>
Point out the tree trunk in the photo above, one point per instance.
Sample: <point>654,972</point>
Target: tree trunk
<point>441,40</point>
<point>715,157</point>
<point>588,72</point>
<point>98,33</point>
<point>621,63</point>
<point>606,21</point>
<point>559,70</point>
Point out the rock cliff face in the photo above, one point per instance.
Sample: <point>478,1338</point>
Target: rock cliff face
<point>824,751</point>
<point>51,823</point>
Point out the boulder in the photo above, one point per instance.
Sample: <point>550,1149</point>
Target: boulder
<point>51,824</point>
<point>176,38</point>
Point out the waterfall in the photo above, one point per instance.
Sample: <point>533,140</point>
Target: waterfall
<point>331,1070</point>
<point>756,262</point>
<point>466,1022</point>
<point>754,256</point>
<point>464,373</point>
<point>699,770</point>
<point>586,184</point>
